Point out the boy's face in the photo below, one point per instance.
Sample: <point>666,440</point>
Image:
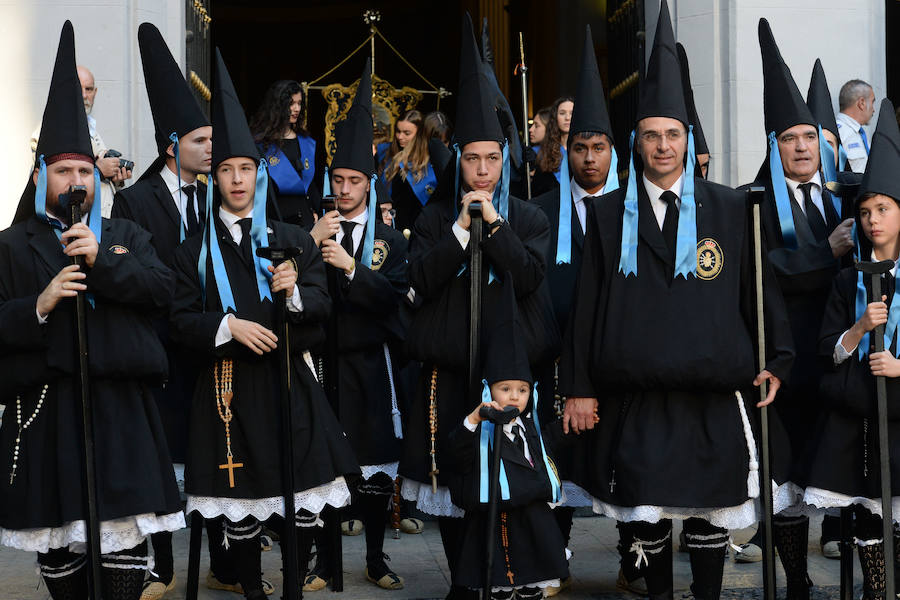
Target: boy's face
<point>879,216</point>
<point>511,392</point>
<point>236,178</point>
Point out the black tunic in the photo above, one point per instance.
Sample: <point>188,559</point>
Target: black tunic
<point>665,356</point>
<point>804,275</point>
<point>321,451</point>
<point>366,310</point>
<point>128,284</point>
<point>149,204</point>
<point>845,446</point>
<point>536,549</point>
<point>439,333</point>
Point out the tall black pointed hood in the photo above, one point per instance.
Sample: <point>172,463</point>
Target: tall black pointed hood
<point>354,134</point>
<point>590,113</point>
<point>818,99</point>
<point>476,117</point>
<point>782,103</point>
<point>64,127</point>
<point>884,156</point>
<point>661,93</point>
<point>505,356</point>
<point>174,108</point>
<point>700,145</point>
<point>232,134</point>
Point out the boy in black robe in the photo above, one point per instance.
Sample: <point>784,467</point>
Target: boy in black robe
<point>806,240</point>
<point>665,310</point>
<point>42,504</point>
<point>223,310</point>
<point>367,261</point>
<point>529,549</point>
<point>845,472</point>
<point>516,237</point>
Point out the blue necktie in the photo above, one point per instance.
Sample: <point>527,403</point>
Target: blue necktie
<point>865,141</point>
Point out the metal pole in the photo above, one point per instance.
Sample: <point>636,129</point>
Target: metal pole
<point>475,229</point>
<point>756,195</point>
<point>523,69</point>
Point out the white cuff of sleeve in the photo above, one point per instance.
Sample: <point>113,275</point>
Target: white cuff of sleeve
<point>294,301</point>
<point>41,320</point>
<point>461,235</point>
<point>223,334</point>
<point>411,294</point>
<point>840,353</point>
<point>469,425</point>
<point>351,274</point>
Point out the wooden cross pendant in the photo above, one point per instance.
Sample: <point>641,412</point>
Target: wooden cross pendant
<point>231,466</point>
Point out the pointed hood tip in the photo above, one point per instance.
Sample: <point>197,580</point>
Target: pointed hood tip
<point>884,156</point>
<point>661,93</point>
<point>783,105</point>
<point>590,112</point>
<point>476,117</point>
<point>233,137</point>
<point>354,134</point>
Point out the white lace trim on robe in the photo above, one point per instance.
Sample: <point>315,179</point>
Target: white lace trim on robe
<point>335,493</point>
<point>817,500</point>
<point>429,502</point>
<point>115,534</point>
<point>389,469</point>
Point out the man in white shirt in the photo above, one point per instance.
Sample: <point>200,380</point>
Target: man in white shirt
<point>857,105</point>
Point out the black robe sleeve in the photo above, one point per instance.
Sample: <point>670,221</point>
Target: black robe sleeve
<point>379,292</point>
<point>312,282</point>
<point>435,255</point>
<point>192,326</point>
<point>522,254</point>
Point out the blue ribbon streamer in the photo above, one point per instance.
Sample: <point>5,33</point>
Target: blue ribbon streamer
<point>779,188</point>
<point>612,177</point>
<point>842,158</point>
<point>40,192</point>
<point>551,474</point>
<point>686,237</point>
<point>564,231</point>
<point>326,184</point>
<point>628,251</point>
<point>829,171</point>
<point>369,241</point>
<point>259,236</point>
<point>484,452</point>
<point>174,138</point>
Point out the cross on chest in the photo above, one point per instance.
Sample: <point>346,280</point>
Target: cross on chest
<point>231,466</point>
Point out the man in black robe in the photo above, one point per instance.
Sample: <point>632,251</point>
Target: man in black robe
<point>516,238</point>
<point>593,165</point>
<point>223,310</point>
<point>806,241</point>
<point>42,505</point>
<point>168,201</point>
<point>661,368</point>
<point>367,264</point>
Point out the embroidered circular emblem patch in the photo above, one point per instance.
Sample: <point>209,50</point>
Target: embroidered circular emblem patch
<point>274,160</point>
<point>306,164</point>
<point>379,254</point>
<point>709,259</point>
<point>429,189</point>
<point>117,249</point>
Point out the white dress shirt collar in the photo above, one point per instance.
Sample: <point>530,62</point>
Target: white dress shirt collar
<point>850,121</point>
<point>815,192</point>
<point>654,192</point>
<point>578,196</point>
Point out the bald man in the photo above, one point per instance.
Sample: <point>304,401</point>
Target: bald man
<point>113,176</point>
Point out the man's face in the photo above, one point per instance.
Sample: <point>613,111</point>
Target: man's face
<point>351,188</point>
<point>195,150</point>
<point>88,89</point>
<point>869,108</point>
<point>703,164</point>
<point>294,108</point>
<point>589,159</point>
<point>799,149</point>
<point>61,176</point>
<point>236,178</point>
<point>662,143</point>
<point>480,166</point>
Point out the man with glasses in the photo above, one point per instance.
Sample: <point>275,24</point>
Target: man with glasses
<point>660,372</point>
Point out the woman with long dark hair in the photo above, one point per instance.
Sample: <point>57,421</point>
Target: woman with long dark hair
<point>410,167</point>
<point>553,146</point>
<point>278,128</point>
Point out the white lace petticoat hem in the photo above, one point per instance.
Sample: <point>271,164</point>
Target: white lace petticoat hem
<point>575,496</point>
<point>540,584</point>
<point>389,469</point>
<point>731,517</point>
<point>817,500</point>
<point>429,502</point>
<point>335,493</point>
<point>115,534</point>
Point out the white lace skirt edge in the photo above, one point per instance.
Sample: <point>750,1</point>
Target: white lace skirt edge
<point>335,493</point>
<point>438,504</point>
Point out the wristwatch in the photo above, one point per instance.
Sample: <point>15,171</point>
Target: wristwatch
<point>496,222</point>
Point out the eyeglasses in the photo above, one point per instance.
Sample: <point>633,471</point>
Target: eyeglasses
<point>653,137</point>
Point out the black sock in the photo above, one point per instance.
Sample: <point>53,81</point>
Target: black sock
<point>243,546</point>
<point>64,574</point>
<point>451,537</point>
<point>162,556</point>
<point>122,573</point>
<point>653,547</point>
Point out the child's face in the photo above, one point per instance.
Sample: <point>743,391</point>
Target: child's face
<point>511,392</point>
<point>880,220</point>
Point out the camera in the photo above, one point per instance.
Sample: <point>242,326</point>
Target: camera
<point>123,162</point>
